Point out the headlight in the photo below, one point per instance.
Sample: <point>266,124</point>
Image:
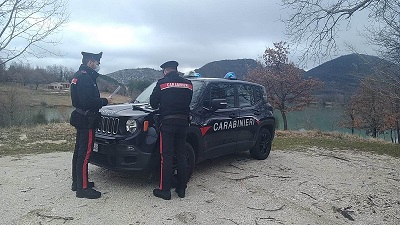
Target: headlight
<point>131,125</point>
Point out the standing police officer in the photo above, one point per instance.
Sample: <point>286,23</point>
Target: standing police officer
<point>86,99</point>
<point>172,95</point>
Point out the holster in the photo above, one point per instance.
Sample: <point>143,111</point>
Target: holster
<point>93,118</point>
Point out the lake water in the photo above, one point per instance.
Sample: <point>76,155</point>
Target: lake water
<point>320,118</point>
<point>58,114</point>
<point>313,118</point>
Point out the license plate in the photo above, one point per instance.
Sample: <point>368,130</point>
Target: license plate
<point>96,147</point>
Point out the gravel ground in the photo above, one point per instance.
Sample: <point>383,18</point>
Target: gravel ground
<point>290,187</point>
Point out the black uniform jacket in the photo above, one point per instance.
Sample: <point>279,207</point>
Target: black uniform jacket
<point>172,95</point>
<point>85,95</point>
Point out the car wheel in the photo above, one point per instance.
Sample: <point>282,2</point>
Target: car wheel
<point>262,148</point>
<point>190,162</point>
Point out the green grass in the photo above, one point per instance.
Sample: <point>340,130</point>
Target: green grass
<point>60,137</point>
<point>332,140</point>
<point>29,96</point>
<point>56,137</point>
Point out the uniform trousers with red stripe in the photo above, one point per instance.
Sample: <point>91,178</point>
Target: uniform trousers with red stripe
<point>172,144</point>
<point>83,148</point>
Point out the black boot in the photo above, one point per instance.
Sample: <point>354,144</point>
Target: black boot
<point>89,185</point>
<point>166,195</point>
<point>181,192</point>
<point>88,193</point>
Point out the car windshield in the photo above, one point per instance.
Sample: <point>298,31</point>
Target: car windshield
<point>144,97</point>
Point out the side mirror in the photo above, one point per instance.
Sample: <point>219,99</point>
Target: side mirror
<point>218,104</point>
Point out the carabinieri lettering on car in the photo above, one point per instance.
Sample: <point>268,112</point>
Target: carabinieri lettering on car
<point>232,124</point>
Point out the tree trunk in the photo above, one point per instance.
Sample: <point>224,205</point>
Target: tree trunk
<point>398,132</point>
<point>352,123</point>
<point>374,133</point>
<point>391,136</point>
<point>283,113</point>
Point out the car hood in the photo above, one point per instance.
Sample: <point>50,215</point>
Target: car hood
<point>127,109</point>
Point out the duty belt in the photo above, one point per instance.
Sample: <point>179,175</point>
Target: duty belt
<point>83,112</point>
<point>177,116</point>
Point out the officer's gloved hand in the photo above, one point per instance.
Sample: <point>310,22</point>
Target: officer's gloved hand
<point>110,100</point>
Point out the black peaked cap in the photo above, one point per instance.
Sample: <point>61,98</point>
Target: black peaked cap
<point>170,64</point>
<point>89,55</point>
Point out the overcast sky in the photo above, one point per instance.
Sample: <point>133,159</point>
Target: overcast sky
<point>146,33</point>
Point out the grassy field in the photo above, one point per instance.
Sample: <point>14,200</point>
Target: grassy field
<point>41,138</point>
<point>28,95</point>
<point>54,137</point>
<point>61,136</point>
<point>334,141</point>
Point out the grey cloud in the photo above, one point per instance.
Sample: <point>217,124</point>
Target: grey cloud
<point>192,32</point>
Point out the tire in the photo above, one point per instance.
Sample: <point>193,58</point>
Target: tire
<point>190,159</point>
<point>262,148</point>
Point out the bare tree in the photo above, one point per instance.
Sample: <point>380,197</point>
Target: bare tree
<point>62,73</point>
<point>25,26</point>
<point>370,108</point>
<point>349,117</point>
<point>392,120</point>
<point>287,88</point>
<point>3,74</point>
<point>387,34</point>
<point>40,76</point>
<point>12,106</point>
<point>19,73</point>
<point>315,23</point>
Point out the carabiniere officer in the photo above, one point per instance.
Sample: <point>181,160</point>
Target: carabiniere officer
<point>172,96</point>
<point>86,99</point>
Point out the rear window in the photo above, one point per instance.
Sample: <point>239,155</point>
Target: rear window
<point>258,94</point>
<point>246,95</point>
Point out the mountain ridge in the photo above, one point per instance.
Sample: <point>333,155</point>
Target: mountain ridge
<point>341,75</point>
<point>144,74</point>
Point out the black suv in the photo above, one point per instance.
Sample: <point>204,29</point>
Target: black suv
<point>227,116</point>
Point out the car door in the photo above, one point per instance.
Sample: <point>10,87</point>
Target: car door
<point>248,101</point>
<point>218,134</point>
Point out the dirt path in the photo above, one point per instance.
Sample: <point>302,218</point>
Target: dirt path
<point>309,187</point>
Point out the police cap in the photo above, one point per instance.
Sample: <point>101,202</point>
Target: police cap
<point>88,55</point>
<point>170,64</point>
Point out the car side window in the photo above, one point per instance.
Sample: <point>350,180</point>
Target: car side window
<point>221,91</point>
<point>246,97</point>
<point>258,94</point>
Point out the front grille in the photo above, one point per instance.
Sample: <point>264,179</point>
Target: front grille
<point>108,125</point>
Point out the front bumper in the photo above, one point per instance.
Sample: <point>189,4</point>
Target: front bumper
<point>120,157</point>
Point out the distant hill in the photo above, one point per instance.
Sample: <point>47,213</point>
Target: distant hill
<point>144,74</point>
<point>220,68</point>
<point>343,74</point>
<point>212,69</point>
<point>107,84</point>
<point>108,79</point>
